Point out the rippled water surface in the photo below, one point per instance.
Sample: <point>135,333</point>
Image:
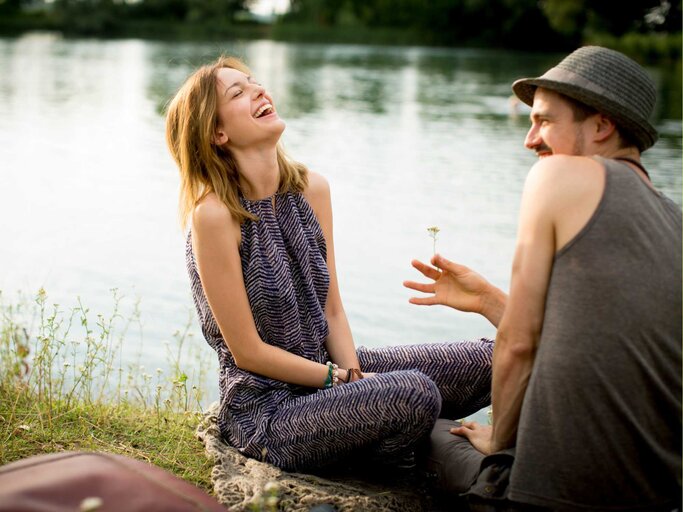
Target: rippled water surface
<point>407,137</point>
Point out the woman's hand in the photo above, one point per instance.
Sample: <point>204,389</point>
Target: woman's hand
<point>354,377</point>
<point>479,435</point>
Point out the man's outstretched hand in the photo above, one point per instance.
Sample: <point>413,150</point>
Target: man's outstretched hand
<point>458,287</point>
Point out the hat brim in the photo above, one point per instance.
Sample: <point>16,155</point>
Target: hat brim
<point>643,132</point>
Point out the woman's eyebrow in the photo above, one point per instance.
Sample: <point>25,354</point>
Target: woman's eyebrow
<point>250,79</point>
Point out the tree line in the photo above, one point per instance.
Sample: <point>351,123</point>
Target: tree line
<point>519,24</point>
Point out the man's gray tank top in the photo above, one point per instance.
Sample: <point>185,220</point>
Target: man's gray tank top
<point>600,426</point>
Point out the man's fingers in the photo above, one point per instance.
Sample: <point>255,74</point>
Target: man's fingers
<point>426,270</point>
<point>461,431</point>
<point>423,301</point>
<point>448,265</point>
<point>420,287</point>
<point>465,428</point>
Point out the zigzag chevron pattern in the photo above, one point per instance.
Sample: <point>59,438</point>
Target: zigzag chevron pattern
<point>285,273</point>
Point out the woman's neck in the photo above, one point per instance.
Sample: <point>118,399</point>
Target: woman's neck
<point>259,172</point>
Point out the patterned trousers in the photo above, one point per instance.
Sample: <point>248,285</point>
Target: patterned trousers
<point>385,415</point>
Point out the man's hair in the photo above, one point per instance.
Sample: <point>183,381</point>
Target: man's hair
<point>582,112</point>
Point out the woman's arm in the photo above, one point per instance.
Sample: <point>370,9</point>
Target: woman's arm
<point>339,342</point>
<point>215,240</point>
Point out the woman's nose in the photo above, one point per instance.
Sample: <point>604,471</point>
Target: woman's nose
<point>259,90</point>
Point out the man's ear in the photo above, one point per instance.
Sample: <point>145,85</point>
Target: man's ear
<point>220,137</point>
<point>604,128</point>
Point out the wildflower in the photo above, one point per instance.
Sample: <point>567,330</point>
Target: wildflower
<point>271,487</point>
<point>433,231</point>
<point>90,504</point>
<point>271,502</point>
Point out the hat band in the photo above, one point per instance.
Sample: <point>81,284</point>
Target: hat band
<point>575,80</point>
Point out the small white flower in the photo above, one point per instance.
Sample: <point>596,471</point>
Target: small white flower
<point>90,504</point>
<point>271,487</point>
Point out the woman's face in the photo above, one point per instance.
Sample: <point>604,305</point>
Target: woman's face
<point>246,114</point>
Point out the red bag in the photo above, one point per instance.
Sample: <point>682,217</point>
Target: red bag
<point>101,482</point>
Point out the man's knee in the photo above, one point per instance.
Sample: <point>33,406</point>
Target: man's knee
<point>453,459</point>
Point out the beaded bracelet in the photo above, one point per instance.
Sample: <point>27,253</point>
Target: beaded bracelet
<point>332,375</point>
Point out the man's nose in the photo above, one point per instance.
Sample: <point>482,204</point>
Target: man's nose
<point>533,138</point>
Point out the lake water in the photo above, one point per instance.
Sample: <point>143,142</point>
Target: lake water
<point>407,137</point>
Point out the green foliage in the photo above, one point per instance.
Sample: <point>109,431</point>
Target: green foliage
<point>581,20</point>
<point>62,387</point>
<point>10,7</point>
<point>534,25</point>
<point>522,24</point>
<point>439,22</point>
<point>645,48</point>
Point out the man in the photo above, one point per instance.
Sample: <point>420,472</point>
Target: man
<point>586,385</point>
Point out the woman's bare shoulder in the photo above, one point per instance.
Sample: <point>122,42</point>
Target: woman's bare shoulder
<point>211,214</point>
<point>317,192</point>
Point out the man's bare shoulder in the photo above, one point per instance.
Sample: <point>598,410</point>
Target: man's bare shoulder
<point>566,166</point>
<point>560,176</point>
<point>565,191</point>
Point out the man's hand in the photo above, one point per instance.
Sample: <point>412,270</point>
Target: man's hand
<point>479,435</point>
<point>459,287</point>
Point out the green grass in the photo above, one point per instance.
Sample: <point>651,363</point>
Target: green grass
<point>63,387</point>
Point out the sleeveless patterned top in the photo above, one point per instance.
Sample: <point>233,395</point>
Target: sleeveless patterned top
<point>285,273</point>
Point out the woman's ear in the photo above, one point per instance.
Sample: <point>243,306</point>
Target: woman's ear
<point>220,137</point>
<point>604,128</point>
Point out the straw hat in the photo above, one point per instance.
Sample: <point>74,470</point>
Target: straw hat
<point>606,80</point>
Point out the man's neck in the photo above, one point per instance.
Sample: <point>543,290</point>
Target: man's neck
<point>630,153</point>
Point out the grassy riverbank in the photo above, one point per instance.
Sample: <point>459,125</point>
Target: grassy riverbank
<point>61,389</point>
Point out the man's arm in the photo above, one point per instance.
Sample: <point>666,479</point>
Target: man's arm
<point>520,328</point>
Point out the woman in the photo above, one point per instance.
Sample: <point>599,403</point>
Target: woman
<point>260,254</point>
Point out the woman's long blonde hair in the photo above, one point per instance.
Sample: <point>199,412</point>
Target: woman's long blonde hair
<point>191,121</point>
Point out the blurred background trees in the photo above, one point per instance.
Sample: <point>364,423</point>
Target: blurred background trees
<point>647,29</point>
